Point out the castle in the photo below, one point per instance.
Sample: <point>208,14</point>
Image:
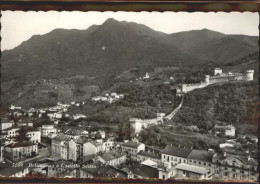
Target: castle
<point>218,77</point>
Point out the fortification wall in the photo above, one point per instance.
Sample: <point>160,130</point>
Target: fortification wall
<point>227,78</point>
<point>189,87</point>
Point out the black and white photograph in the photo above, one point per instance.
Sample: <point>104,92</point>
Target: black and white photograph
<point>129,95</point>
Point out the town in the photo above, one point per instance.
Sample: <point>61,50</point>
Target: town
<point>39,142</point>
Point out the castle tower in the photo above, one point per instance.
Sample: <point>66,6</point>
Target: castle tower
<point>217,71</point>
<point>249,75</point>
<point>207,79</point>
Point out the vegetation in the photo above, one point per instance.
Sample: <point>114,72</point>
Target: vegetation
<point>231,103</point>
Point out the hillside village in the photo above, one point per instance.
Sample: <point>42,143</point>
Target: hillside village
<point>43,142</point>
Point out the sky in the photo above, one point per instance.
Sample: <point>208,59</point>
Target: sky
<point>18,26</point>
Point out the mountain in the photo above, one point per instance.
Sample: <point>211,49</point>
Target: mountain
<point>117,46</point>
<point>215,46</point>
<point>80,59</point>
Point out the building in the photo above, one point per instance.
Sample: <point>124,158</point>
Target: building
<point>102,171</point>
<point>20,150</point>
<point>12,131</point>
<point>112,158</point>
<point>33,134</point>
<point>228,131</point>
<point>175,155</point>
<point>217,71</point>
<point>108,145</point>
<point>5,124</point>
<point>140,171</point>
<point>14,172</point>
<point>46,129</point>
<point>79,116</point>
<point>148,155</point>
<point>60,147</point>
<point>91,148</point>
<point>234,167</point>
<point>132,148</point>
<point>136,124</point>
<point>24,123</point>
<point>201,158</point>
<point>80,148</point>
<point>185,171</point>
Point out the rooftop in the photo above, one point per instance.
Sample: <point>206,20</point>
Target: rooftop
<point>176,151</point>
<point>201,155</point>
<point>11,171</point>
<point>192,168</point>
<point>131,144</point>
<point>149,154</point>
<point>111,155</point>
<point>61,137</point>
<point>144,171</point>
<point>20,144</point>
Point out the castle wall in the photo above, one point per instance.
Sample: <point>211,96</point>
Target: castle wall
<point>189,87</point>
<point>226,78</point>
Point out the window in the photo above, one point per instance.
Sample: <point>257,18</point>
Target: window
<point>194,162</point>
<point>184,172</point>
<point>199,162</point>
<point>204,163</point>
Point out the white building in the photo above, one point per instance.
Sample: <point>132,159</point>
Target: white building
<point>132,148</point>
<point>174,155</point>
<point>230,131</point>
<point>217,71</point>
<point>46,129</point>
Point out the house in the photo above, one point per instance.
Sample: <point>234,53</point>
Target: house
<point>20,150</point>
<point>185,171</point>
<point>46,129</point>
<point>102,171</point>
<point>33,134</point>
<point>80,147</point>
<point>61,166</point>
<point>22,123</point>
<point>14,172</point>
<point>60,147</point>
<point>17,114</point>
<point>139,171</point>
<point>5,124</point>
<point>175,155</point>
<point>132,148</point>
<point>235,167</point>
<point>108,145</point>
<point>91,148</point>
<point>224,145</point>
<point>148,155</point>
<point>166,171</point>
<point>112,158</point>
<point>12,107</point>
<point>78,116</point>
<point>12,131</point>
<point>228,131</point>
<point>201,158</point>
